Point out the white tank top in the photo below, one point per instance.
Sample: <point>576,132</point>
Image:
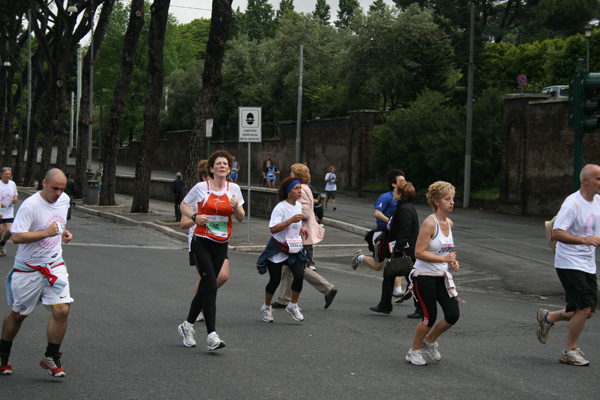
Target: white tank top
<point>439,245</point>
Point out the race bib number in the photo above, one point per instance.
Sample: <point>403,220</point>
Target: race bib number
<point>295,244</point>
<point>217,225</point>
<point>271,176</point>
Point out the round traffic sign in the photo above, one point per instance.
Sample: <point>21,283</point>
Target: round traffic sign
<point>521,80</point>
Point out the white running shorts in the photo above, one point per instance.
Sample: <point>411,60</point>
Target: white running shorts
<point>31,288</point>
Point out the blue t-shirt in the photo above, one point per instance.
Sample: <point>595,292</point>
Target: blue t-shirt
<point>386,204</point>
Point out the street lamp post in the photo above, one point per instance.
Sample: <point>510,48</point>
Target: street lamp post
<point>90,119</point>
<point>588,35</point>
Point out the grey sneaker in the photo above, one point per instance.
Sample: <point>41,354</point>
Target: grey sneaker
<point>431,350</point>
<point>213,342</point>
<point>574,357</point>
<point>187,334</point>
<point>200,317</point>
<point>544,328</point>
<point>295,313</point>
<point>415,358</point>
<point>355,261</point>
<point>267,313</point>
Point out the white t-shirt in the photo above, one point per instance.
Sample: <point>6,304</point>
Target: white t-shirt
<point>330,185</point>
<point>284,211</point>
<point>7,192</point>
<point>579,217</point>
<point>36,214</point>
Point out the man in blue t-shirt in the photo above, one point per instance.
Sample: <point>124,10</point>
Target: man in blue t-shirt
<point>385,204</point>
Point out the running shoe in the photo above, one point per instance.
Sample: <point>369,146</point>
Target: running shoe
<point>544,328</point>
<point>403,298</point>
<point>52,364</point>
<point>187,334</point>
<point>200,317</point>
<point>431,349</point>
<point>213,342</point>
<point>267,313</point>
<point>5,367</point>
<point>414,357</point>
<point>355,261</point>
<point>574,357</point>
<point>295,312</point>
<point>398,292</point>
<point>3,250</point>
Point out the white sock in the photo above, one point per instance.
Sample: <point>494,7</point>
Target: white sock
<point>360,257</point>
<point>187,325</point>
<point>213,333</point>
<point>291,306</point>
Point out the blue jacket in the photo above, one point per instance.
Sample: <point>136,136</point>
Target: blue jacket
<point>270,250</point>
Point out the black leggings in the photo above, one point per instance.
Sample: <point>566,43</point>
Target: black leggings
<point>428,290</point>
<point>275,275</point>
<point>209,257</point>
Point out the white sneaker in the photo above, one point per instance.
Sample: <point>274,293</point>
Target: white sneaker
<point>312,267</point>
<point>267,313</point>
<point>574,357</point>
<point>295,312</point>
<point>415,358</point>
<point>3,250</point>
<point>187,334</point>
<point>431,350</point>
<point>200,317</point>
<point>213,342</point>
<point>398,292</point>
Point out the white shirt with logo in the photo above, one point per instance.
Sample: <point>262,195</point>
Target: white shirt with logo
<point>579,217</point>
<point>36,214</point>
<point>7,192</point>
<point>284,211</point>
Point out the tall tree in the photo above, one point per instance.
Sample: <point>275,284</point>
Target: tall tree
<point>211,85</point>
<point>84,118</point>
<point>284,6</point>
<point>322,12</point>
<point>378,6</point>
<point>259,19</point>
<point>346,12</point>
<point>117,112</point>
<point>156,41</point>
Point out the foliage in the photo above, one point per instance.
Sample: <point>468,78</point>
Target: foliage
<point>322,12</point>
<point>259,20</point>
<point>346,13</point>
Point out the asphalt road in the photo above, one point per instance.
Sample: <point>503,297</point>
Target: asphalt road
<point>132,286</point>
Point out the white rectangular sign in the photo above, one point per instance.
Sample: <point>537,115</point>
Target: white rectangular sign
<point>209,127</point>
<point>250,124</point>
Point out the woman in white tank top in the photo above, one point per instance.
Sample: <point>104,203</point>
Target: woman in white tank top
<point>431,279</point>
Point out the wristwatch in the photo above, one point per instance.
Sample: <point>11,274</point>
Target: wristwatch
<point>193,218</point>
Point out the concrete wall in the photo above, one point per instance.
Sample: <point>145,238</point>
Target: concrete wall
<point>537,166</point>
<point>343,142</point>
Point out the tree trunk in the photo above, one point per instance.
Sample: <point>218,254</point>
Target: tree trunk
<point>83,125</point>
<point>38,97</point>
<point>211,85</point>
<point>154,86</point>
<point>117,112</point>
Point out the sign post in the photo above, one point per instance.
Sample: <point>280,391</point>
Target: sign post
<point>250,131</point>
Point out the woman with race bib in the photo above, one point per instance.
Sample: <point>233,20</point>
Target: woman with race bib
<point>285,247</point>
<point>216,200</point>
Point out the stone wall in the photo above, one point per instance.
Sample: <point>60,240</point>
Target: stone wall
<point>537,166</point>
<point>342,142</point>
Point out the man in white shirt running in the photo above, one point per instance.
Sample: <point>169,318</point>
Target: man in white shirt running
<point>576,232</point>
<point>8,197</point>
<point>39,274</point>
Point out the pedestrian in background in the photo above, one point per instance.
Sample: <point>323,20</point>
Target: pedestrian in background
<point>270,173</point>
<point>576,233</point>
<point>98,176</point>
<point>330,186</point>
<point>285,247</point>
<point>177,188</point>
<point>266,163</point>
<point>39,273</point>
<point>217,201</point>
<point>431,277</point>
<point>8,198</point>
<point>235,169</point>
<point>70,191</point>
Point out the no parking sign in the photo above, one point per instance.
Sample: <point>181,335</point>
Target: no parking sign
<point>521,80</point>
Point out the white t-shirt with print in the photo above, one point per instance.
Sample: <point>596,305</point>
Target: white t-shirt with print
<point>330,186</point>
<point>7,192</point>
<point>36,214</point>
<point>282,212</point>
<point>579,217</point>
